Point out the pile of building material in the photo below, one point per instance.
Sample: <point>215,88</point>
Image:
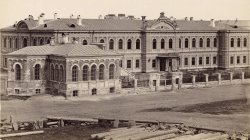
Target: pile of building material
<point>158,132</point>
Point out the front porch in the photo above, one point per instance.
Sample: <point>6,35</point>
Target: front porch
<point>169,62</point>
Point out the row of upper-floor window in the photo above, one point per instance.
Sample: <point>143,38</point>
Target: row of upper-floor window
<point>239,42</point>
<point>238,60</point>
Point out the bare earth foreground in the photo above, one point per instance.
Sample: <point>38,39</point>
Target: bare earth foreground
<point>225,107</point>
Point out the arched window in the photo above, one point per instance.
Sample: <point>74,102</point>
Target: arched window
<point>101,41</point>
<point>179,43</point>
<point>170,43</point>
<point>138,44</point>
<point>154,43</point>
<point>52,72</point>
<point>162,44</point>
<point>238,42</point>
<point>18,72</point>
<point>129,44</point>
<point>208,42</point>
<point>48,41</point>
<point>120,44</point>
<point>232,42</point>
<point>57,73</point>
<point>41,41</point>
<point>201,42</point>
<point>10,41</point>
<point>215,42</point>
<point>85,72</point>
<point>84,42</point>
<point>34,42</point>
<point>186,43</point>
<point>74,73</point>
<point>101,72</point>
<point>16,43</point>
<point>61,73</point>
<point>111,44</point>
<point>25,42</point>
<point>245,42</point>
<point>193,42</point>
<point>111,71</point>
<point>5,42</point>
<point>93,72</point>
<point>37,72</point>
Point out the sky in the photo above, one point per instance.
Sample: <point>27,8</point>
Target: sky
<point>15,10</point>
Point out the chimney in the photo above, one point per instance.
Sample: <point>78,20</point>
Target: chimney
<point>71,16</point>
<point>40,20</point>
<point>121,16</point>
<point>191,18</point>
<point>65,38</point>
<point>212,23</point>
<point>162,15</point>
<point>31,17</point>
<point>143,18</point>
<point>131,17</point>
<point>79,20</point>
<point>186,18</point>
<point>52,41</point>
<point>55,15</point>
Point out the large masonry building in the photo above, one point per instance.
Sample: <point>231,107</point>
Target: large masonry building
<point>141,46</point>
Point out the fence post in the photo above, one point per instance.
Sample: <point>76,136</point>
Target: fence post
<point>219,78</point>
<point>231,77</point>
<point>206,79</point>
<point>193,79</point>
<point>242,76</point>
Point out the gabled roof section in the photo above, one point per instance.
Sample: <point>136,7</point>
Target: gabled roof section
<point>66,50</point>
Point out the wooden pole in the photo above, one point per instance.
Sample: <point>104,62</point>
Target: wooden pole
<point>21,134</point>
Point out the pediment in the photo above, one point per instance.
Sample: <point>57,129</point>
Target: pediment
<point>161,25</point>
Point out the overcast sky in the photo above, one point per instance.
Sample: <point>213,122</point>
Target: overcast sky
<point>15,10</point>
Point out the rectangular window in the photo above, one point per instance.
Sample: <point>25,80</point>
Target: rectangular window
<point>244,59</point>
<point>186,61</point>
<point>128,63</point>
<point>120,63</point>
<point>17,91</point>
<point>5,62</point>
<point>154,82</point>
<point>153,63</point>
<point>200,60</point>
<point>38,91</point>
<point>75,93</point>
<point>238,59</point>
<point>214,60</point>
<point>231,60</point>
<point>137,63</point>
<point>207,60</point>
<point>193,61</point>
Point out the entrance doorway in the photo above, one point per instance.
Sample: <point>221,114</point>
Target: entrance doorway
<point>162,64</point>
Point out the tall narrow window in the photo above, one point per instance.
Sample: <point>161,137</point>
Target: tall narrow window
<point>61,73</point>
<point>238,59</point>
<point>245,42</point>
<point>16,43</point>
<point>193,42</point>
<point>10,41</point>
<point>179,43</point>
<point>207,60</point>
<point>186,43</point>
<point>111,71</point>
<point>34,42</point>
<point>201,42</point>
<point>128,63</point>
<point>37,72</point>
<point>85,73</point>
<point>41,41</point>
<point>232,42</point>
<point>200,60</point>
<point>244,59</point>
<point>101,41</point>
<point>231,60</point>
<point>84,42</point>
<point>193,61</point>
<point>162,44</point>
<point>186,61</point>
<point>120,63</point>
<point>153,63</point>
<point>170,43</point>
<point>101,72</point>
<point>120,44</point>
<point>52,73</point>
<point>129,44</point>
<point>215,42</point>
<point>18,72</point>
<point>138,44</point>
<point>56,73</point>
<point>5,42</point>
<point>74,73</point>
<point>154,43</point>
<point>208,42</point>
<point>93,72</point>
<point>137,63</point>
<point>111,44</point>
<point>238,42</point>
<point>214,60</point>
<point>25,42</point>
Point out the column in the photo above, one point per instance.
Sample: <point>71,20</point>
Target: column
<point>219,78</point>
<point>135,84</point>
<point>242,76</point>
<point>206,79</point>
<point>231,77</point>
<point>193,79</point>
<point>173,83</point>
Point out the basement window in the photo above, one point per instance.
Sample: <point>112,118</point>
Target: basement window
<point>38,91</point>
<point>112,90</point>
<point>17,91</point>
<point>75,93</point>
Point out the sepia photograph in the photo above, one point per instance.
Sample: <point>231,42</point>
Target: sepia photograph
<point>125,70</point>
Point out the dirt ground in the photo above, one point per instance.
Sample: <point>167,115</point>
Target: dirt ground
<point>225,107</point>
